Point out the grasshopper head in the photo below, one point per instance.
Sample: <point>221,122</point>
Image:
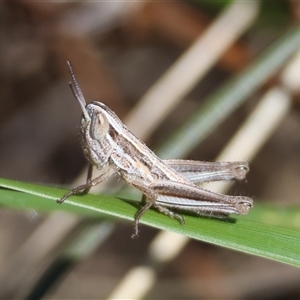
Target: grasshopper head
<point>97,123</point>
<point>95,126</point>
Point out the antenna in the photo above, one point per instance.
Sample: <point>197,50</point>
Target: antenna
<point>76,90</point>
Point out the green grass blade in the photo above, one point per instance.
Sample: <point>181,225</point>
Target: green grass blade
<point>267,231</point>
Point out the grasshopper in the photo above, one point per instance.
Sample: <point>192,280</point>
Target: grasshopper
<point>165,184</point>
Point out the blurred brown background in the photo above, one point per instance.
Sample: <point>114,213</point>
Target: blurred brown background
<point>118,51</point>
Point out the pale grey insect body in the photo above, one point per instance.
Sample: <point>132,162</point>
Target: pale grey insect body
<point>111,147</point>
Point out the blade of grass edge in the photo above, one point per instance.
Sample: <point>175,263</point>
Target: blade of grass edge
<point>247,234</point>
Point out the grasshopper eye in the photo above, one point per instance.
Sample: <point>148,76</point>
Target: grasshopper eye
<point>99,126</point>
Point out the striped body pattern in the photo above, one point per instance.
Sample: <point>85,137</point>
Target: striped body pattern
<point>165,184</point>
